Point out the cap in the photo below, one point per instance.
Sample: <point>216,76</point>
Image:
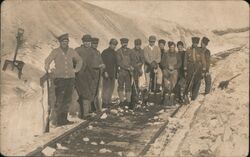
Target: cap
<point>94,40</point>
<point>195,40</point>
<point>124,40</point>
<point>162,41</point>
<point>180,43</point>
<point>137,42</point>
<point>86,38</point>
<point>113,41</point>
<point>63,37</point>
<point>152,38</point>
<point>170,43</point>
<point>205,40</point>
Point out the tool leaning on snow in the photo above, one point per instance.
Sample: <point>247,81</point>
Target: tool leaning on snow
<point>224,84</point>
<point>46,78</point>
<point>98,95</point>
<point>16,63</point>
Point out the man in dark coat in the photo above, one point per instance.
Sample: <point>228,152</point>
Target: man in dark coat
<point>124,61</point>
<point>208,79</point>
<point>170,63</point>
<point>84,79</point>
<point>110,72</point>
<point>196,65</point>
<point>64,77</point>
<point>181,71</point>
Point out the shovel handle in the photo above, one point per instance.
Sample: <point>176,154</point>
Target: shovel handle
<point>234,77</point>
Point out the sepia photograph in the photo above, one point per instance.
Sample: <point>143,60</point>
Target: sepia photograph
<point>124,78</point>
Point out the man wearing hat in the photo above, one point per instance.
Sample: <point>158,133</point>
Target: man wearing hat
<point>181,72</point>
<point>110,72</point>
<point>85,77</point>
<point>125,65</point>
<point>152,55</point>
<point>64,77</point>
<point>170,63</point>
<point>208,80</point>
<point>138,61</point>
<point>161,44</point>
<point>196,66</point>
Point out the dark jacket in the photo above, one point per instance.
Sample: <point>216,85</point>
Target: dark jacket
<point>138,59</point>
<point>124,59</point>
<point>87,77</point>
<point>110,61</point>
<point>183,62</point>
<point>207,58</point>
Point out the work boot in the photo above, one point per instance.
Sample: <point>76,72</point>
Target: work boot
<point>172,99</point>
<point>121,96</point>
<point>65,120</point>
<point>166,100</point>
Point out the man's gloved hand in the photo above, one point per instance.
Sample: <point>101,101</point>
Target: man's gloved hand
<point>102,66</point>
<point>131,68</point>
<point>207,74</point>
<point>106,75</point>
<point>154,65</point>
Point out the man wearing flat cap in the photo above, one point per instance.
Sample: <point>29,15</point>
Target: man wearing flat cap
<point>152,55</point>
<point>84,79</point>
<point>110,72</point>
<point>138,61</point>
<point>64,77</point>
<point>207,77</point>
<point>196,65</point>
<point>170,63</point>
<point>125,65</point>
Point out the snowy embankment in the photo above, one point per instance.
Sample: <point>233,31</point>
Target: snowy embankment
<point>214,125</point>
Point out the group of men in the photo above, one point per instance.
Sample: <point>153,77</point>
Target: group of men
<point>176,73</point>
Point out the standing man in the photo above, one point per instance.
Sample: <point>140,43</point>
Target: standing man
<point>84,79</point>
<point>152,55</point>
<point>208,80</point>
<point>181,71</point>
<point>138,61</point>
<point>109,59</point>
<point>64,77</point>
<point>196,67</point>
<point>170,63</point>
<point>124,61</point>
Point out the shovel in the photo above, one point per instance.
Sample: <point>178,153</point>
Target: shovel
<point>224,84</point>
<point>16,63</point>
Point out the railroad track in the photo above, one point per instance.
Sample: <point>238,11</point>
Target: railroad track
<point>130,131</point>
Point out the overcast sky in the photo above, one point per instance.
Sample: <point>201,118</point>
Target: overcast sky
<point>206,14</point>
